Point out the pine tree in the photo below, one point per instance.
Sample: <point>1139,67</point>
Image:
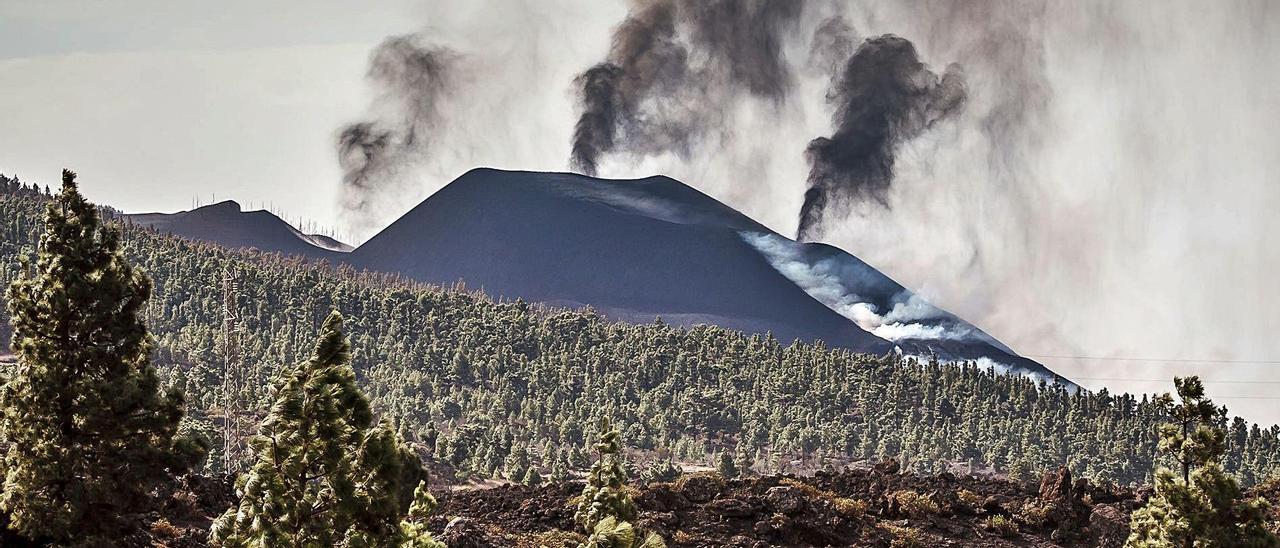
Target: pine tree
<point>517,464</point>
<point>560,469</point>
<point>743,461</point>
<point>90,433</point>
<point>725,465</point>
<point>413,529</point>
<point>1198,504</point>
<point>325,475</point>
<point>607,511</point>
<point>610,532</point>
<point>604,494</point>
<point>532,478</point>
<point>661,470</point>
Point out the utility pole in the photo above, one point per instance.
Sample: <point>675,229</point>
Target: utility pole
<point>232,376</point>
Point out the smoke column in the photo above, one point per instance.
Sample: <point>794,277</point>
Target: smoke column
<point>411,79</point>
<point>673,70</point>
<point>884,96</point>
<point>645,60</point>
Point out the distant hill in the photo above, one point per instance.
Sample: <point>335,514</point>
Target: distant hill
<point>225,223</point>
<point>633,250</point>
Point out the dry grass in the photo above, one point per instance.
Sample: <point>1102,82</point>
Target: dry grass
<point>1002,526</point>
<point>809,490</point>
<point>904,537</point>
<point>970,499</point>
<point>161,528</point>
<point>550,539</point>
<point>684,480</point>
<point>915,504</point>
<point>1035,515</point>
<point>849,508</point>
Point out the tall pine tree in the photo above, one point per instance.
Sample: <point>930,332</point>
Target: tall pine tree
<point>413,528</point>
<point>90,433</point>
<point>1198,504</point>
<point>325,474</point>
<point>607,511</point>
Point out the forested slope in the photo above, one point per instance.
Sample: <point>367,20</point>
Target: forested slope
<point>491,387</point>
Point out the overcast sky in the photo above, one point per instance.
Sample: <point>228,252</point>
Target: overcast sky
<point>154,103</point>
<point>1137,221</point>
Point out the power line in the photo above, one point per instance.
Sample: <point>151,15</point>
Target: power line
<point>1216,397</point>
<point>1121,379</point>
<point>1169,360</point>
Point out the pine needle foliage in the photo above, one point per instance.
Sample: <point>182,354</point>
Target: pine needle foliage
<point>324,475</point>
<point>1198,504</point>
<point>413,528</point>
<point>606,511</point>
<point>90,432</point>
<point>612,533</point>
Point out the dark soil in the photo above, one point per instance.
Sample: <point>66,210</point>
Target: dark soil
<point>878,507</point>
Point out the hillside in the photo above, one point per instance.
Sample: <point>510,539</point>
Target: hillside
<point>633,250</point>
<point>227,224</point>
<point>572,241</point>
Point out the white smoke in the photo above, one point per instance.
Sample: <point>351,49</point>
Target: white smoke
<point>822,281</point>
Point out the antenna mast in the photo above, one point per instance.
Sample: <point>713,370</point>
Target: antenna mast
<point>232,377</point>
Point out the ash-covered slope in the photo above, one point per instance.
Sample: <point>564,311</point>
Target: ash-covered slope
<point>226,224</point>
<point>636,249</point>
<point>630,249</point>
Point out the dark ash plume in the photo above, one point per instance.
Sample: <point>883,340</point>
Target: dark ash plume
<point>596,128</point>
<point>411,78</point>
<point>362,152</point>
<point>672,67</point>
<point>644,59</point>
<point>884,97</point>
<point>744,40</point>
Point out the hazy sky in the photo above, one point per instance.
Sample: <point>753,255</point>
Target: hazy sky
<point>156,102</point>
<point>1127,212</point>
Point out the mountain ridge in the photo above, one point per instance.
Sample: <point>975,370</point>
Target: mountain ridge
<point>227,223</point>
<point>633,250</point>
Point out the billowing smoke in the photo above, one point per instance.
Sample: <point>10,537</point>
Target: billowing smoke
<point>645,61</point>
<point>674,68</point>
<point>884,96</point>
<point>743,40</point>
<point>672,72</point>
<point>907,317</point>
<point>595,132</point>
<point>411,78</point>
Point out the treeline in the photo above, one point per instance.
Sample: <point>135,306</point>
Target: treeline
<point>505,388</point>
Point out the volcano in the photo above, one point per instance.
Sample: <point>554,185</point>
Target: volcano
<point>633,250</point>
<point>227,224</point>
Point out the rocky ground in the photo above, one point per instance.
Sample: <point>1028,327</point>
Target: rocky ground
<point>858,507</point>
<point>876,507</point>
